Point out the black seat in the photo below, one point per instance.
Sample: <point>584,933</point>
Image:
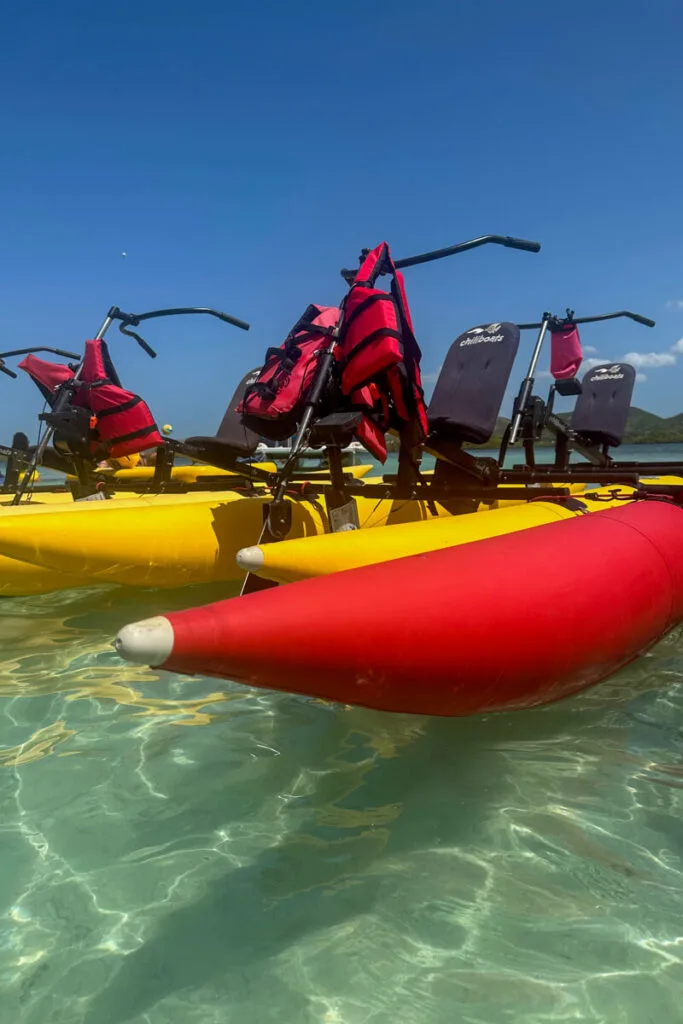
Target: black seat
<point>233,439</point>
<point>58,461</point>
<point>338,429</point>
<point>20,450</point>
<point>601,412</point>
<point>471,386</point>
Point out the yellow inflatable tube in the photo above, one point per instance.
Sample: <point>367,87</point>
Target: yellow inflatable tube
<point>62,501</point>
<point>294,559</point>
<point>157,540</point>
<point>166,540</point>
<point>178,540</point>
<point>182,474</point>
<point>144,474</point>
<point>21,579</point>
<point>38,498</point>
<point>196,473</point>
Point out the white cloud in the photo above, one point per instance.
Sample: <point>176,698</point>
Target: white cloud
<point>640,378</point>
<point>590,349</point>
<point>678,347</point>
<point>651,359</point>
<point>592,361</point>
<point>674,304</point>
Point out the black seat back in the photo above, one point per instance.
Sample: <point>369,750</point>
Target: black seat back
<point>472,382</point>
<point>20,442</point>
<point>232,430</point>
<point>601,411</point>
<point>20,448</point>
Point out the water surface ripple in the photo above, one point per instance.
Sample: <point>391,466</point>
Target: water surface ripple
<point>176,850</point>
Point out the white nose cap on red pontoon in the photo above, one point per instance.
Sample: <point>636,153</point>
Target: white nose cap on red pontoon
<point>251,558</point>
<point>148,642</point>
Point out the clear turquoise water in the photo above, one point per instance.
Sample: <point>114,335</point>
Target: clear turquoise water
<point>183,851</point>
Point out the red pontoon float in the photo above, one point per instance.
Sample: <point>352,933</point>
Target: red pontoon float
<point>503,623</point>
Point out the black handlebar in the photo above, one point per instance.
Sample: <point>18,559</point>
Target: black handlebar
<point>437,254</point>
<point>27,351</point>
<point>556,321</point>
<point>520,243</point>
<point>644,320</point>
<point>133,319</point>
<point>452,250</point>
<point>41,348</point>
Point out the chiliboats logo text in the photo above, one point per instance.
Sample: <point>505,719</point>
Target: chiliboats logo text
<point>479,335</point>
<point>612,372</point>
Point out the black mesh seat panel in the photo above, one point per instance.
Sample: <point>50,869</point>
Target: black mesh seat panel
<point>471,386</point>
<point>601,411</point>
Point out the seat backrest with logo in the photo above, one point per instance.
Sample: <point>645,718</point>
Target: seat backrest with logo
<point>471,385</point>
<point>601,412</point>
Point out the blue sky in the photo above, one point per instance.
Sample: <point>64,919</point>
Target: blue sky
<point>241,154</point>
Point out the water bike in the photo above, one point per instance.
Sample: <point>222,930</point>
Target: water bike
<point>445,631</point>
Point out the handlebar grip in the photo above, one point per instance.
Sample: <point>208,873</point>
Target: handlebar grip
<point>148,348</point>
<point>522,243</point>
<point>6,369</point>
<point>65,354</point>
<point>242,324</point>
<point>141,341</point>
<point>642,320</point>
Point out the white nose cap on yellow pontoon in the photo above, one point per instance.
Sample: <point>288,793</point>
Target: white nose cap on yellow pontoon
<point>149,642</point>
<point>251,558</point>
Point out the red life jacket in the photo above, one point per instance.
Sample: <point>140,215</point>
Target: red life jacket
<point>48,376</point>
<point>378,355</point>
<point>273,404</point>
<point>121,423</point>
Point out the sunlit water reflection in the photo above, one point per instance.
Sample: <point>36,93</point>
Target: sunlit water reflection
<point>182,851</point>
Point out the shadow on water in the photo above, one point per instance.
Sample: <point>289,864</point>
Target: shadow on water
<point>361,783</point>
<point>376,776</point>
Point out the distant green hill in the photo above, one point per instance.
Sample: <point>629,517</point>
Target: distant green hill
<point>643,428</point>
<point>642,424</point>
<point>647,428</point>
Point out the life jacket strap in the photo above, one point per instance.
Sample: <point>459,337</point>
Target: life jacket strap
<point>123,407</point>
<point>365,304</point>
<point>381,332</point>
<point>132,436</point>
